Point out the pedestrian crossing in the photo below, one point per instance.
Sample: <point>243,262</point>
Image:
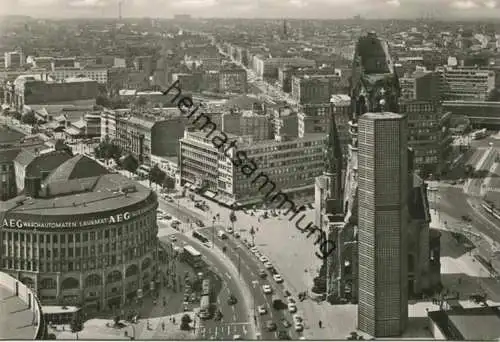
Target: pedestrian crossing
<point>224,331</point>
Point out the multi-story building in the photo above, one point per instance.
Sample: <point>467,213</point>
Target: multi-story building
<point>211,81</point>
<point>466,84</point>
<point>426,135</point>
<point>341,107</point>
<point>285,123</point>
<point>100,75</point>
<point>313,89</point>
<point>13,59</point>
<point>268,67</point>
<point>233,80</point>
<point>92,125</point>
<point>144,135</point>
<point>63,62</point>
<point>421,86</point>
<point>291,164</point>
<point>31,89</point>
<point>89,237</point>
<point>246,123</point>
<point>383,217</point>
<point>108,123</point>
<point>143,63</point>
<point>8,187</point>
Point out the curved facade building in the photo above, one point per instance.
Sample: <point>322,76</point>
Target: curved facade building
<point>82,236</point>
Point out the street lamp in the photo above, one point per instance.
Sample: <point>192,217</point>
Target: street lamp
<point>213,232</point>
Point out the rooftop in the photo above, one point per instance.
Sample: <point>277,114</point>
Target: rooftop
<point>382,116</point>
<point>16,320</point>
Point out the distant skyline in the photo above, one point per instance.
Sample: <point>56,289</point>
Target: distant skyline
<point>321,9</point>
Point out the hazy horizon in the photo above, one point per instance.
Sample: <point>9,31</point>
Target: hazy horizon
<point>256,9</point>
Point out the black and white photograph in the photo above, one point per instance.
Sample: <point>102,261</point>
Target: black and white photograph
<point>250,170</point>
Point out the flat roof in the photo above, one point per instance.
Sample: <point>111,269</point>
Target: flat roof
<point>382,116</point>
<point>104,197</point>
<point>15,320</point>
<point>480,324</point>
<point>57,309</point>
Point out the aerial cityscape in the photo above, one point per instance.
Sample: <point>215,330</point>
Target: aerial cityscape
<point>251,178</point>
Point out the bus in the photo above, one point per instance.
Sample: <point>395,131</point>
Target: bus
<point>205,307</point>
<point>478,134</point>
<point>200,237</point>
<point>205,288</point>
<point>192,257</point>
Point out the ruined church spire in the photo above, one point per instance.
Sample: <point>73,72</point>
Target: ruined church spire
<point>333,163</point>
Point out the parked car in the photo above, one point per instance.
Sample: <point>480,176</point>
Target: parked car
<point>271,326</point>
<point>262,274</point>
<point>262,310</point>
<point>263,258</point>
<point>283,335</point>
<point>285,323</point>
<point>267,289</point>
<point>277,278</point>
<point>268,265</point>
<point>292,307</point>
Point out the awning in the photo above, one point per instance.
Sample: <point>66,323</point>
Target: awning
<point>210,194</point>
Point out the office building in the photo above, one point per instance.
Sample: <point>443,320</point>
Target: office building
<point>147,134</point>
<point>13,60</point>
<point>382,219</point>
<point>292,164</point>
<point>466,84</point>
<point>313,89</point>
<point>233,80</point>
<point>89,237</point>
<point>247,123</point>
<point>268,67</point>
<point>428,136</point>
<point>285,122</point>
<point>98,74</point>
<point>341,107</point>
<point>421,86</point>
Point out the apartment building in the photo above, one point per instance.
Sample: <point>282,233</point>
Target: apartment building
<point>285,122</point>
<point>100,75</point>
<point>292,164</point>
<point>147,134</point>
<point>466,84</point>
<point>13,59</point>
<point>314,89</point>
<point>233,80</point>
<point>428,135</point>
<point>421,86</point>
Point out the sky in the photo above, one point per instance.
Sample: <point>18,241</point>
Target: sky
<point>333,9</point>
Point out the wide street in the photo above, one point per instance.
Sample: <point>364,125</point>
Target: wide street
<point>456,202</point>
<point>235,319</point>
<point>249,268</point>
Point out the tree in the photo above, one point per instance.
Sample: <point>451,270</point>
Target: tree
<point>129,163</point>
<point>103,101</point>
<point>108,150</point>
<point>51,336</point>
<point>169,182</point>
<point>185,321</point>
<point>156,175</point>
<point>29,118</point>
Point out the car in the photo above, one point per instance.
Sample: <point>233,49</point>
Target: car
<point>268,265</point>
<point>232,300</point>
<point>254,249</point>
<point>262,274</point>
<point>299,327</point>
<point>291,300</point>
<point>229,230</point>
<point>199,223</point>
<point>237,337</point>
<point>297,318</point>
<point>271,326</point>
<point>283,335</point>
<point>172,238</point>
<point>257,254</point>
<point>287,293</point>
<point>263,258</point>
<point>277,278</point>
<point>237,235</point>
<point>167,217</point>
<point>292,307</point>
<point>285,323</point>
<point>267,289</point>
<point>261,309</point>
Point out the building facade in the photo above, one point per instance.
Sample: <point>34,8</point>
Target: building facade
<point>233,80</point>
<point>100,75</point>
<point>466,84</point>
<point>291,164</point>
<point>313,89</point>
<point>87,241</point>
<point>383,177</point>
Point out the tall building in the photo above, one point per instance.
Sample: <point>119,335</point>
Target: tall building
<point>383,169</point>
<point>421,86</point>
<point>13,60</point>
<point>466,84</point>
